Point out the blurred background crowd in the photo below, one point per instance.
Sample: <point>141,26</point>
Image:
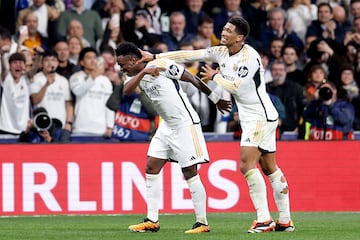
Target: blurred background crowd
<point>59,76</point>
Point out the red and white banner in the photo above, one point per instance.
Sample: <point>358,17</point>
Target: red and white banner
<point>110,179</point>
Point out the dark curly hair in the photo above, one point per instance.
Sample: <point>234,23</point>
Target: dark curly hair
<point>127,48</point>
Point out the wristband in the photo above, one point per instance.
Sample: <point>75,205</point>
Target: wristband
<point>214,97</point>
<point>154,56</point>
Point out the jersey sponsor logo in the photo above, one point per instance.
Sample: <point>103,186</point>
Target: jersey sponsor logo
<point>243,71</point>
<point>174,70</point>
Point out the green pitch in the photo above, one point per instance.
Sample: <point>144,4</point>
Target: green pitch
<point>224,226</point>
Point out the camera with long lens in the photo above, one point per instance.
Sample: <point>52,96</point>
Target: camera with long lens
<point>42,121</point>
<point>325,93</point>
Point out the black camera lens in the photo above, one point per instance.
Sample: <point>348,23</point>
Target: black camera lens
<point>325,93</point>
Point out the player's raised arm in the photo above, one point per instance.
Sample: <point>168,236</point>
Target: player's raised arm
<point>133,82</point>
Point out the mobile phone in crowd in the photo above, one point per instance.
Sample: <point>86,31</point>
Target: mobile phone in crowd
<point>23,30</point>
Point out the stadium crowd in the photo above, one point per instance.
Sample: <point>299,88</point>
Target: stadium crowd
<point>60,56</point>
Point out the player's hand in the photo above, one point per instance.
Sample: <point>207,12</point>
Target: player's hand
<point>224,105</point>
<point>146,57</point>
<point>207,72</point>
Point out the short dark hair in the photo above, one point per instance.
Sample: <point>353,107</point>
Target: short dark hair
<point>241,25</point>
<point>5,33</point>
<point>49,53</point>
<point>85,50</point>
<point>290,45</point>
<point>128,48</point>
<point>17,57</point>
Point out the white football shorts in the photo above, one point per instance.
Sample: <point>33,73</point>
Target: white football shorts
<point>261,134</point>
<point>185,145</point>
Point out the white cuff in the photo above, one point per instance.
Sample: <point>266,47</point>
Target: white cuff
<point>214,97</point>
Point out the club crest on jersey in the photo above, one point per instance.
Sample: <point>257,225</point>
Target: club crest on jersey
<point>243,71</point>
<point>174,70</point>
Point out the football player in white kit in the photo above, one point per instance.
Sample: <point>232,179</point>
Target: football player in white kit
<point>179,136</point>
<point>242,74</point>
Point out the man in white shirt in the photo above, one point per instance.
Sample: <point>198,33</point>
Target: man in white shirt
<point>52,91</point>
<point>15,97</point>
<point>91,89</point>
<point>241,73</point>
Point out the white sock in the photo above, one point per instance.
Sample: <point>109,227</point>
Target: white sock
<point>198,196</point>
<point>257,189</point>
<point>281,195</point>
<point>153,196</point>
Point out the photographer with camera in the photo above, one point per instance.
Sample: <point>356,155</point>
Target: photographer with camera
<point>328,117</point>
<point>43,129</point>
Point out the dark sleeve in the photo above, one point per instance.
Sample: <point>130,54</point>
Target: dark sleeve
<point>23,137</point>
<point>105,39</point>
<point>115,98</point>
<point>65,136</point>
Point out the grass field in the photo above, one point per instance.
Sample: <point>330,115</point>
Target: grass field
<point>224,226</point>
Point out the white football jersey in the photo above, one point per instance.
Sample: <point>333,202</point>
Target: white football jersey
<point>241,74</point>
<point>167,96</point>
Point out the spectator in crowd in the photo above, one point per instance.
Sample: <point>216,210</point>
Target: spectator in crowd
<point>51,91</point>
<point>29,59</point>
<point>354,9</point>
<point>136,106</point>
<point>43,129</point>
<point>325,27</point>
<point>276,45</point>
<point>235,8</point>
<point>301,14</point>
<point>177,34</point>
<point>109,9</point>
<point>340,17</point>
<point>205,32</point>
<point>65,67</point>
<point>348,85</point>
<point>141,33</point>
<point>193,14</point>
<point>112,37</point>
<point>75,47</point>
<point>91,89</point>
<point>356,65</point>
<point>279,27</point>
<point>46,17</point>
<point>15,97</point>
<point>317,76</point>
<point>29,36</point>
<point>329,117</point>
<point>89,19</point>
<point>320,52</point>
<point>160,47</point>
<point>75,29</point>
<point>290,94</point>
<point>6,42</point>
<point>290,57</point>
<point>353,37</point>
<point>111,69</point>
<point>159,18</point>
<point>265,60</point>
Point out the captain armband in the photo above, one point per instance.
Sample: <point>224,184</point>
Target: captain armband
<point>214,97</point>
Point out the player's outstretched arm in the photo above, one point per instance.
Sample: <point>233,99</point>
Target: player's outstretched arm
<point>222,104</point>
